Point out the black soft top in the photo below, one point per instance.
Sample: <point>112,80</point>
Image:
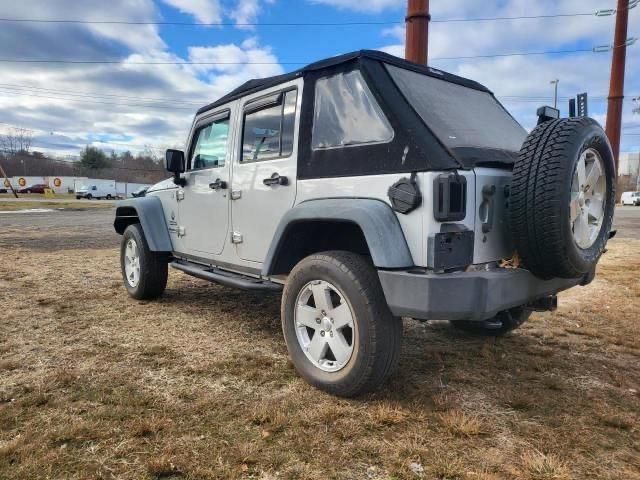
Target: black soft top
<point>258,84</point>
<point>439,121</point>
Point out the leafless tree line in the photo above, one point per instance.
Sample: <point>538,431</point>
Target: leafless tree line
<point>18,159</point>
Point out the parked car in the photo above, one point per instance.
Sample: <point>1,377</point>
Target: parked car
<point>630,198</point>
<point>366,188</point>
<point>140,192</point>
<point>35,188</point>
<point>98,191</point>
<point>3,190</point>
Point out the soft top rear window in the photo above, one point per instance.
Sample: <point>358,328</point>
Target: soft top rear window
<point>461,117</point>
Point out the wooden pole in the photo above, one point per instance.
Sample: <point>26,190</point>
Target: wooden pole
<point>7,181</point>
<point>417,36</point>
<point>616,85</point>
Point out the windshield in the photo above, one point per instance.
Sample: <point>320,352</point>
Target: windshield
<point>461,117</point>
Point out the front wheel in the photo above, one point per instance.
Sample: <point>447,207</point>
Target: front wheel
<point>144,272</point>
<point>339,331</point>
<point>503,323</point>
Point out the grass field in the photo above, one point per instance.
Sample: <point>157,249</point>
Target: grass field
<point>198,385</point>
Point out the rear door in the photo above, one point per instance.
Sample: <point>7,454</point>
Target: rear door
<point>264,172</point>
<point>204,201</point>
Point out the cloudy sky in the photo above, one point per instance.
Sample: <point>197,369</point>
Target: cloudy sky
<point>127,104</point>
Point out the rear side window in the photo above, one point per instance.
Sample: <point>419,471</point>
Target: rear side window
<point>210,148</point>
<point>346,113</point>
<point>269,130</point>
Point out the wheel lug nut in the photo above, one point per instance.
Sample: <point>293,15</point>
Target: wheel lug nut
<point>322,333</point>
<point>331,333</point>
<point>317,320</point>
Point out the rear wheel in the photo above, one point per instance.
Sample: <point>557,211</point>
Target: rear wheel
<point>144,272</point>
<point>339,331</point>
<point>109,197</point>
<point>503,323</point>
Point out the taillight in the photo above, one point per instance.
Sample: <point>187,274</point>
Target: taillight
<point>450,197</point>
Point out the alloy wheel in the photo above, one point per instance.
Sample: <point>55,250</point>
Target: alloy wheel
<point>325,326</point>
<point>588,194</point>
<point>132,263</point>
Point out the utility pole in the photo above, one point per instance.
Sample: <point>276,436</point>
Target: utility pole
<point>6,179</point>
<point>616,85</point>
<point>417,39</point>
<point>555,95</point>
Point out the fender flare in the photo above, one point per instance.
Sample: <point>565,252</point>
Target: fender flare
<point>148,211</point>
<point>376,219</point>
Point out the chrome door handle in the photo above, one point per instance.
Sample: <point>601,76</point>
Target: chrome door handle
<point>218,184</point>
<point>276,179</point>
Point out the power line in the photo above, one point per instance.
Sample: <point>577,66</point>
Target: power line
<point>7,91</point>
<point>296,24</point>
<point>93,95</point>
<point>528,98</point>
<point>123,63</point>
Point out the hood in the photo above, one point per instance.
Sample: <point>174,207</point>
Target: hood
<point>163,185</point>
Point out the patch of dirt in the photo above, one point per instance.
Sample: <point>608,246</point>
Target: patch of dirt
<point>94,384</point>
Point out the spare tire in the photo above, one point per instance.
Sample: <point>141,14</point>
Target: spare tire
<point>563,198</point>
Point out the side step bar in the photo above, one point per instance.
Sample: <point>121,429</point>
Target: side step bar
<point>228,279</point>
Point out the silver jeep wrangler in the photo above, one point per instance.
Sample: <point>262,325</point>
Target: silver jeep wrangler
<point>367,188</point>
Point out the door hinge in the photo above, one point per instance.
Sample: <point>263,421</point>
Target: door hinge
<point>236,194</point>
<point>236,237</point>
<point>180,195</point>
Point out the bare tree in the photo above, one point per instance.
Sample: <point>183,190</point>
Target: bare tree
<point>16,140</point>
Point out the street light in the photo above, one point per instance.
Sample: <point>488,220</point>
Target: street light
<point>555,96</point>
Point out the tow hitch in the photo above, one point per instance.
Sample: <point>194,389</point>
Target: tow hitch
<point>544,304</point>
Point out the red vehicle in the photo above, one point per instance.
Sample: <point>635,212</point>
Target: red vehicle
<point>36,188</point>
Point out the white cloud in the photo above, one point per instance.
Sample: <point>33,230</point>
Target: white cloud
<point>367,6</point>
<point>205,11</point>
<point>246,12</point>
<point>69,106</point>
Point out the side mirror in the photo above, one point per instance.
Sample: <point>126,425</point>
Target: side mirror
<point>175,161</point>
<point>176,165</point>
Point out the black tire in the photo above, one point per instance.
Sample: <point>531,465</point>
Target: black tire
<point>78,197</point>
<point>540,195</point>
<point>108,197</point>
<point>503,323</point>
<point>154,268</point>
<point>89,196</point>
<point>377,334</point>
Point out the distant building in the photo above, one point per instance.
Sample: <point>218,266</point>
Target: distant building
<point>629,164</point>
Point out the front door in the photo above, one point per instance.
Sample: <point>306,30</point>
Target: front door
<point>204,200</point>
<point>264,175</point>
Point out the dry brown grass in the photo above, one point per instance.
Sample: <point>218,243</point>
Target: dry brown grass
<point>538,466</point>
<point>198,385</point>
<point>461,424</point>
<point>67,205</point>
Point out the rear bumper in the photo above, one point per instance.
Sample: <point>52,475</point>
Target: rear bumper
<point>464,295</point>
